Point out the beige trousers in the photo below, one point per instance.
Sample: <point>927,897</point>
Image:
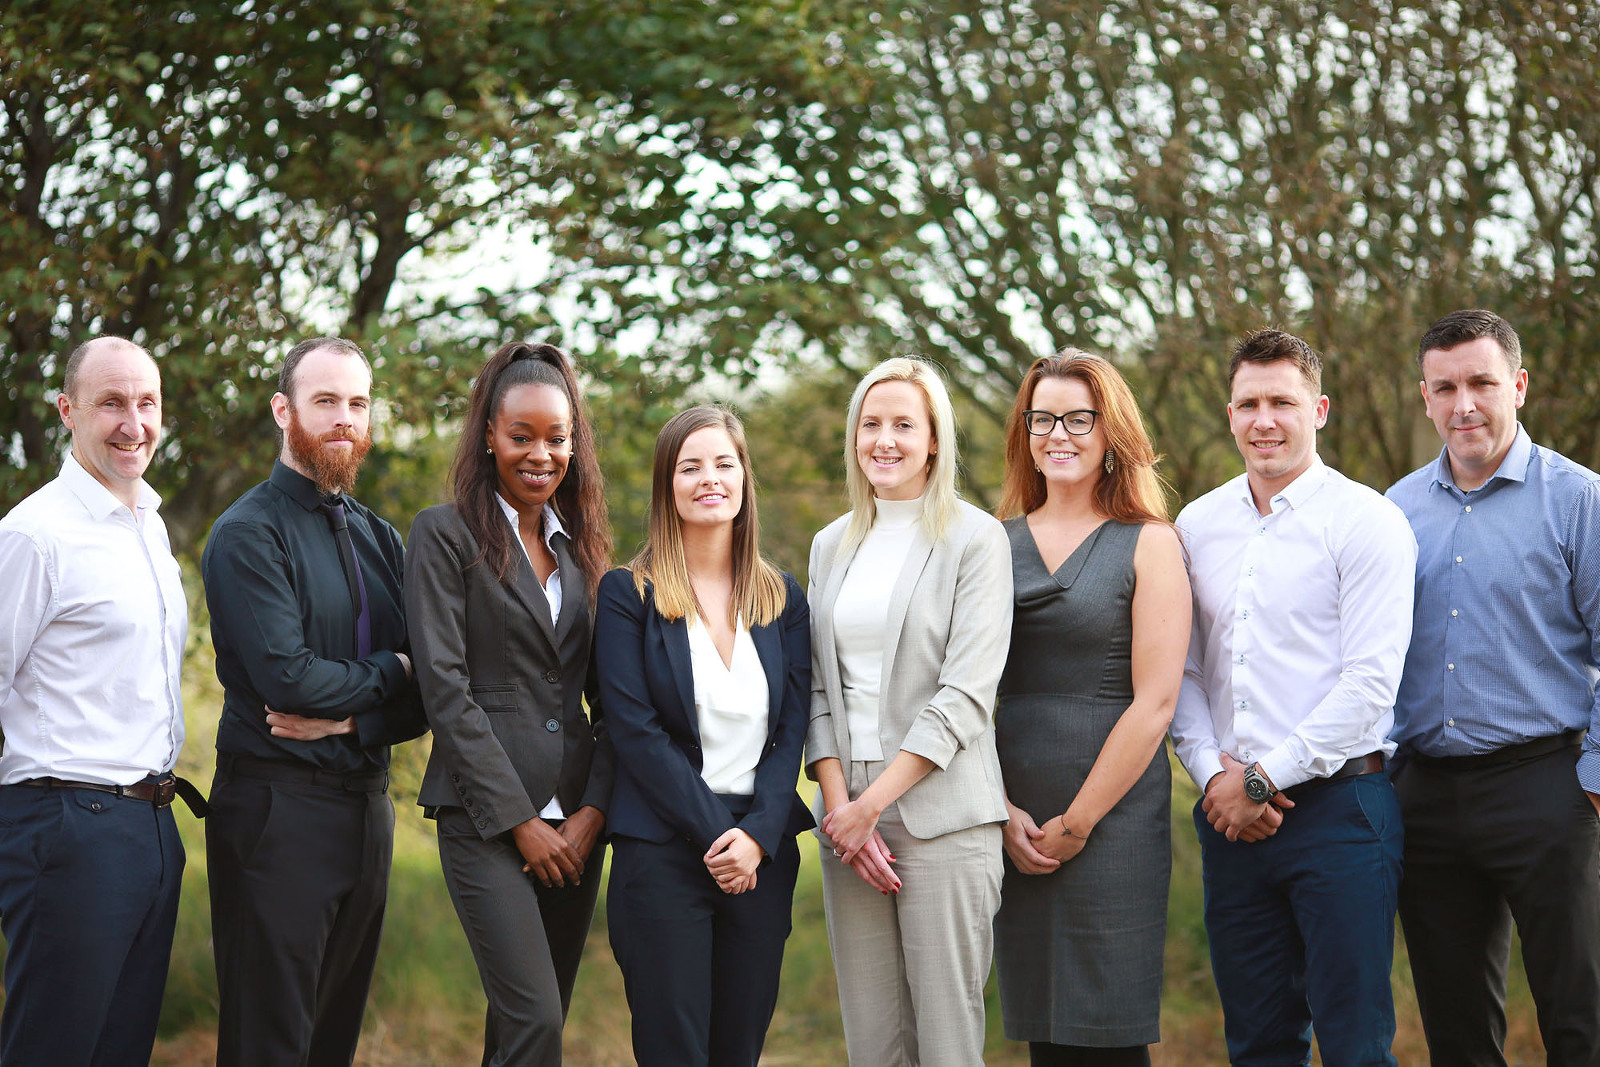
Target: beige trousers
<point>911,966</point>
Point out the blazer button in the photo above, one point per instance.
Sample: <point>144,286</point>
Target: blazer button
<point>455,778</point>
<point>484,825</point>
<point>552,676</point>
<point>552,725</point>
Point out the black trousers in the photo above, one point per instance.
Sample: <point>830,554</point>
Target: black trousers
<point>88,900</point>
<point>1486,845</point>
<point>527,938</point>
<point>299,874</point>
<point>700,967</point>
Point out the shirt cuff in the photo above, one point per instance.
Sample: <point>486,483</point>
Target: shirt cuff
<point>1281,769</point>
<point>1207,765</point>
<point>1589,770</point>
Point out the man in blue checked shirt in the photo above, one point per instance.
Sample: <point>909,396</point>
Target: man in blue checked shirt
<point>1496,781</point>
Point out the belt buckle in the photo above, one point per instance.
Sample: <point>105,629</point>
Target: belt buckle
<point>165,790</point>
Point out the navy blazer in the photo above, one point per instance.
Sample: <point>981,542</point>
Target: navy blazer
<point>647,688</point>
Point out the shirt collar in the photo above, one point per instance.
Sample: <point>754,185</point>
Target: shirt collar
<point>550,527</point>
<point>100,501</point>
<point>296,486</point>
<point>1297,492</point>
<point>1513,468</point>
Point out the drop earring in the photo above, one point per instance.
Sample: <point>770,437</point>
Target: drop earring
<point>1110,463</point>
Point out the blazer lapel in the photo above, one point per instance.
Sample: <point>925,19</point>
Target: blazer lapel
<point>826,645</point>
<point>899,604</point>
<point>675,635</point>
<point>526,585</point>
<point>769,647</point>
<point>574,589</point>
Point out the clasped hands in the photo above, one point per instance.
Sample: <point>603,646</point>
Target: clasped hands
<point>853,829</point>
<point>733,860</point>
<point>556,857</point>
<point>1235,815</point>
<point>1036,849</point>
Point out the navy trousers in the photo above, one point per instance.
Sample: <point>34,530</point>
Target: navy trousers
<point>700,967</point>
<point>88,901</point>
<point>1301,927</point>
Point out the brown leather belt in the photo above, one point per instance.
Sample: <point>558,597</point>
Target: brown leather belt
<point>159,793</point>
<point>1371,763</point>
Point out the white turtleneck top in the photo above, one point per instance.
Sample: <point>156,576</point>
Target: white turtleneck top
<point>860,615</point>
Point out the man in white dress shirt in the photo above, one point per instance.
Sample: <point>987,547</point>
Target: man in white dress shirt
<point>92,629</point>
<point>1302,613</point>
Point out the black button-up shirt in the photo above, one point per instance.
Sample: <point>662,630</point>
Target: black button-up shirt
<point>283,623</point>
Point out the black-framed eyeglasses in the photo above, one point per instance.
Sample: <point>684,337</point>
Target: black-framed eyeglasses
<point>1077,423</point>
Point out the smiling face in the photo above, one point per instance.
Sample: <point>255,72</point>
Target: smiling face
<point>115,416</point>
<point>327,422</point>
<point>708,479</point>
<point>1275,417</point>
<point>894,440</point>
<point>531,437</point>
<point>1472,396</point>
<point>1067,459</point>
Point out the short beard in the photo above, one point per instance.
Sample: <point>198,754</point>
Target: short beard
<point>334,473</point>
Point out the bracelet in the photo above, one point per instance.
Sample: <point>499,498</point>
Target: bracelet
<point>1067,831</point>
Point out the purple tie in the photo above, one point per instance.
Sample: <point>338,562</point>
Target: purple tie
<point>352,574</point>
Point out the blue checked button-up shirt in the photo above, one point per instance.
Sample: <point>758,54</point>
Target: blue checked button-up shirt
<point>1506,629</point>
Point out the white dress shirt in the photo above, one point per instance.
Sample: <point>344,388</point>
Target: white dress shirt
<point>730,707</point>
<point>1301,621</point>
<point>92,629</point>
<point>550,525</point>
<point>861,615</point>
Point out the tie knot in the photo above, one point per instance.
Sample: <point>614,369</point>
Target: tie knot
<point>334,509</point>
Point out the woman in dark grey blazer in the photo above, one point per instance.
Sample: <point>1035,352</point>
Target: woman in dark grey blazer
<point>704,654</point>
<point>498,589</point>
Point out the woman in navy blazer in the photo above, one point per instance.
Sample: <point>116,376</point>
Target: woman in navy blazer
<point>498,589</point>
<point>704,811</point>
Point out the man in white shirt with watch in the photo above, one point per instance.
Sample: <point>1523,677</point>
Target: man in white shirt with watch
<point>92,630</point>
<point>1302,586</point>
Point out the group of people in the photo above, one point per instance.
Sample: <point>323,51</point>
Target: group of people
<point>1384,702</point>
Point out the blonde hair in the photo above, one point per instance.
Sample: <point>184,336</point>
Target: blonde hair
<point>939,499</point>
<point>759,593</point>
<point>1133,492</point>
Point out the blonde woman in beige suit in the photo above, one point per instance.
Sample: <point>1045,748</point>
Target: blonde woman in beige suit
<point>911,617</point>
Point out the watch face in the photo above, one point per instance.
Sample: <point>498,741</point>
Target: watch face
<point>1254,788</point>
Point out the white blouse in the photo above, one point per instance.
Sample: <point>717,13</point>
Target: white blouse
<point>860,614</point>
<point>730,706</point>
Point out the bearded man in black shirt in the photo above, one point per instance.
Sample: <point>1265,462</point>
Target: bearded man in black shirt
<point>304,589</point>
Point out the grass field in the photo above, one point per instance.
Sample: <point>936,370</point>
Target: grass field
<point>426,1006</point>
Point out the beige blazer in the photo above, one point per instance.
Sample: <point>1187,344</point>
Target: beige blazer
<point>949,628</point>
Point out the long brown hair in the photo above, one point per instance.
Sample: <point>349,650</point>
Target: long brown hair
<point>758,587</point>
<point>580,499</point>
<point>1133,492</point>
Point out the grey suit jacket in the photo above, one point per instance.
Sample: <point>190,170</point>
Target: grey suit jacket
<point>502,682</point>
<point>949,628</point>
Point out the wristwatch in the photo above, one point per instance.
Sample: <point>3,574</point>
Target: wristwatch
<point>1256,787</point>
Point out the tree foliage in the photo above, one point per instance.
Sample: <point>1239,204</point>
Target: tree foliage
<point>1150,180</point>
<point>676,189</point>
<point>221,178</point>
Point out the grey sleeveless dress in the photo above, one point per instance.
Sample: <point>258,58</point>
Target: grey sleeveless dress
<point>1079,950</point>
